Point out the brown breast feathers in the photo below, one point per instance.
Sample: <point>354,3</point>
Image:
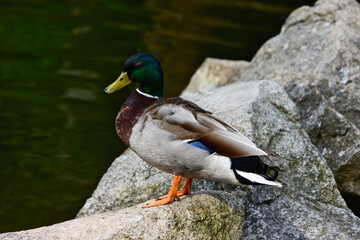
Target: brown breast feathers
<point>129,113</point>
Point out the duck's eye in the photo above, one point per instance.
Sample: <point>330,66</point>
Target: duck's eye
<point>139,64</point>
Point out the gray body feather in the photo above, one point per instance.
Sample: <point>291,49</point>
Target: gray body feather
<point>161,135</point>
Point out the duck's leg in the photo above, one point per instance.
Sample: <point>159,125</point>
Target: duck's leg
<point>171,195</point>
<point>186,189</point>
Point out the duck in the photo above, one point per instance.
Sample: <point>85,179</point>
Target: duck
<point>179,137</point>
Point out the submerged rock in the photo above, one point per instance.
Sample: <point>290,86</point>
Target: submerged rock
<point>316,59</point>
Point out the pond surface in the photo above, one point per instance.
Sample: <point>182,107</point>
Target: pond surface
<point>57,135</point>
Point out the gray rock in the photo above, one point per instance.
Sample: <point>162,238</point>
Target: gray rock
<point>317,66</point>
<point>309,207</point>
<point>288,217</point>
<point>128,181</point>
<point>316,58</point>
<point>214,73</point>
<point>201,216</point>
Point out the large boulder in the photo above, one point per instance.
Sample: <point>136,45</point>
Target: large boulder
<point>316,58</point>
<point>201,216</point>
<point>309,206</point>
<point>214,73</point>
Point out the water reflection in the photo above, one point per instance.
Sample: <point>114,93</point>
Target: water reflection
<point>57,133</point>
<point>184,32</point>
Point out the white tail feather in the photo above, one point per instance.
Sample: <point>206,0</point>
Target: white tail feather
<point>253,177</point>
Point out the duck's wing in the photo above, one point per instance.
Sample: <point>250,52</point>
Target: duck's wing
<point>188,122</point>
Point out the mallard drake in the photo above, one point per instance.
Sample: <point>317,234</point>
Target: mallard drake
<point>180,138</point>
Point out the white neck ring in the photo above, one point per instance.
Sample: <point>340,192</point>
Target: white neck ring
<point>145,94</point>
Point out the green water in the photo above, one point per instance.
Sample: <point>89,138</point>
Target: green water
<point>57,134</point>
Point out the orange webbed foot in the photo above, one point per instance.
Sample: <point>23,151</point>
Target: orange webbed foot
<point>160,202</point>
<point>186,190</point>
<point>173,193</point>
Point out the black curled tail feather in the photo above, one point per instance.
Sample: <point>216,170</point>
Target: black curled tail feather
<point>271,173</point>
<point>253,164</point>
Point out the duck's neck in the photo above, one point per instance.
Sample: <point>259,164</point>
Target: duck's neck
<point>130,111</point>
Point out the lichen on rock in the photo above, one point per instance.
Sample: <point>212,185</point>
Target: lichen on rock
<point>215,215</point>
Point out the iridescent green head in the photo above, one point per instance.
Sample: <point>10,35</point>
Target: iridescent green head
<point>144,69</point>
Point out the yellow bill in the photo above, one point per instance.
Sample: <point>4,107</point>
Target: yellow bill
<point>121,82</point>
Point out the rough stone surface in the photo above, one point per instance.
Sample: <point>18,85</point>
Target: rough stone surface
<point>214,73</point>
<point>128,181</point>
<point>215,215</point>
<point>289,217</point>
<point>309,207</point>
<point>316,58</point>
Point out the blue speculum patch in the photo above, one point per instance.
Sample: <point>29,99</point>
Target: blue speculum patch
<point>201,146</point>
